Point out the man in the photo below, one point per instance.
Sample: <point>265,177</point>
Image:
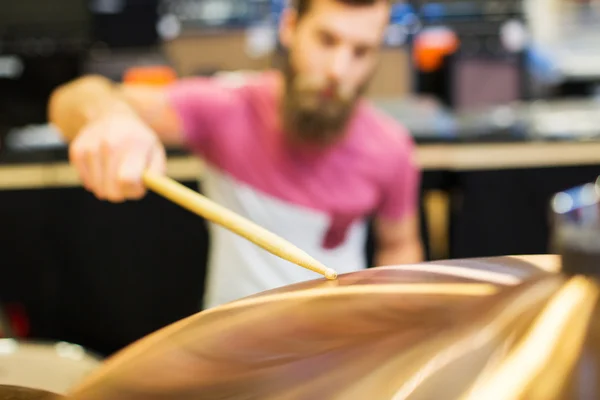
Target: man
<point>298,152</point>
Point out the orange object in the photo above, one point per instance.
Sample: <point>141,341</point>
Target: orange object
<point>432,46</point>
<point>150,75</point>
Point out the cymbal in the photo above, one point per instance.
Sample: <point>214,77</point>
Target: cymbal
<point>451,330</point>
<point>8,392</point>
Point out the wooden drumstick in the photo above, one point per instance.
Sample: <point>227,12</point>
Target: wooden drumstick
<point>204,207</point>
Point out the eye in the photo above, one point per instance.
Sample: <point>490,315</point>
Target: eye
<point>361,51</point>
<point>327,39</point>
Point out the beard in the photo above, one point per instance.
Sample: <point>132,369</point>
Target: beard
<point>316,111</point>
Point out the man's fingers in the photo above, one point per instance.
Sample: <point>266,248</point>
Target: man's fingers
<point>77,159</point>
<point>84,156</point>
<point>111,161</point>
<point>93,164</point>
<point>158,160</point>
<point>111,156</point>
<point>132,171</point>
<point>130,175</point>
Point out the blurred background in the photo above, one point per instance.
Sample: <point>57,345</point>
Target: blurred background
<point>501,96</point>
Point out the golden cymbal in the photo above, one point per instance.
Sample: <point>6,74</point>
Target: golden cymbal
<point>8,392</point>
<point>497,328</point>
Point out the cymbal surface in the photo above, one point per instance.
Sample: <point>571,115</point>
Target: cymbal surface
<point>433,330</point>
<point>9,392</point>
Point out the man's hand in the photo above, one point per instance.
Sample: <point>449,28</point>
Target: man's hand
<point>112,152</point>
<point>115,133</point>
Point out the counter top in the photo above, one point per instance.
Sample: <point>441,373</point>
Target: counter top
<point>50,169</point>
<point>517,155</point>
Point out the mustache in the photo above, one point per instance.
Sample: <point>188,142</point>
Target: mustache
<point>318,85</point>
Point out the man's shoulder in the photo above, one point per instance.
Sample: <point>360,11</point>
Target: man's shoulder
<point>230,83</point>
<point>383,133</point>
<point>210,97</point>
<point>244,78</point>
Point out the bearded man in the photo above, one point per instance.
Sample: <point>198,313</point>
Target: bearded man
<point>297,150</point>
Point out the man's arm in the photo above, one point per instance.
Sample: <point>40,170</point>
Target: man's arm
<point>397,223</point>
<point>73,105</point>
<point>114,134</point>
<point>398,242</point>
<point>118,132</point>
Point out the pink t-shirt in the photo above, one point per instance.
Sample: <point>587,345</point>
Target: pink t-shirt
<point>255,172</point>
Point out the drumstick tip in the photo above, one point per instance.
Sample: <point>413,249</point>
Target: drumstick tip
<point>330,274</point>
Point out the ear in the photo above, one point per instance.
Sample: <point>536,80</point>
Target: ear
<point>287,27</point>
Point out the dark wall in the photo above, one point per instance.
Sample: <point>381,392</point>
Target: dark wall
<point>98,274</point>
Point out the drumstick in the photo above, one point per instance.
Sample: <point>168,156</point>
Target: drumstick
<point>204,207</point>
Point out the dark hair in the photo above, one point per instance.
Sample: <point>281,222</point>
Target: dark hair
<point>302,6</point>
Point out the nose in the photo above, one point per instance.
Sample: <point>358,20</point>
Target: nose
<point>339,63</point>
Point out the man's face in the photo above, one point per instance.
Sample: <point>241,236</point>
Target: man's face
<point>332,53</point>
